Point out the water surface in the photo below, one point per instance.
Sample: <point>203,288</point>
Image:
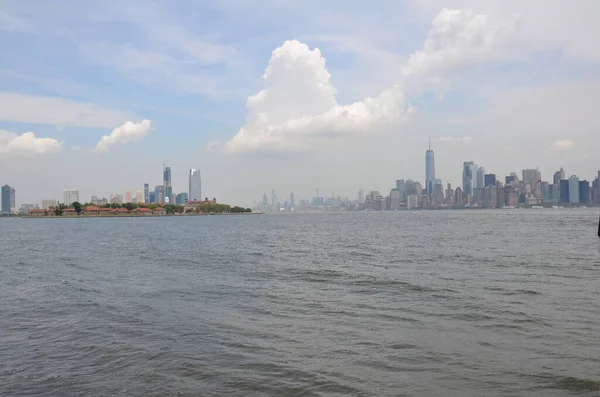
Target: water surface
<point>437,303</point>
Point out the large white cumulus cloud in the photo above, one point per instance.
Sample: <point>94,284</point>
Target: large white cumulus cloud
<point>298,107</point>
<point>128,132</point>
<point>27,144</point>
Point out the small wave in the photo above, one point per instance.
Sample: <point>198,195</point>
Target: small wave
<point>523,292</point>
<point>576,384</point>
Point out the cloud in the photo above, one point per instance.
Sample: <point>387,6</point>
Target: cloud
<point>299,105</point>
<point>27,144</point>
<point>562,145</point>
<point>298,108</point>
<point>212,146</point>
<point>57,111</point>
<point>457,41</point>
<point>455,139</point>
<point>128,132</point>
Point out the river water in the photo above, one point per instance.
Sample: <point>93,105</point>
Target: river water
<point>433,303</point>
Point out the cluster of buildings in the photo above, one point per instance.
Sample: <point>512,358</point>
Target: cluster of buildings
<point>479,190</point>
<point>160,194</point>
<point>484,190</point>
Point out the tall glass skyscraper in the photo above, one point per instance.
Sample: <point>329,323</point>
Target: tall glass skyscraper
<point>6,198</point>
<point>146,193</point>
<point>468,175</point>
<point>195,185</point>
<point>167,189</point>
<point>429,170</point>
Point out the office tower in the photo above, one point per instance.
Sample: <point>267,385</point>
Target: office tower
<point>6,193</point>
<point>564,191</point>
<point>195,185</point>
<point>573,189</point>
<point>167,189</point>
<point>361,196</point>
<point>128,196</point>
<point>558,176</point>
<point>546,192</point>
<point>468,175</point>
<point>151,197</point>
<point>400,186</point>
<point>292,200</point>
<point>13,202</point>
<point>489,180</point>
<point>70,196</point>
<point>584,192</point>
<point>146,193</point>
<point>181,198</point>
<point>480,178</point>
<point>394,200</point>
<point>529,177</point>
<point>429,171</point>
<point>159,197</point>
<point>139,197</point>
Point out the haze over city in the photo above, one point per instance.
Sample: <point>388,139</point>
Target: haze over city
<point>293,97</point>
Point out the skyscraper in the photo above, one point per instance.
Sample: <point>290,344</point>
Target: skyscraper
<point>573,189</point>
<point>167,189</point>
<point>146,193</point>
<point>468,175</point>
<point>128,196</point>
<point>159,195</point>
<point>70,196</point>
<point>429,170</point>
<point>400,187</point>
<point>195,185</point>
<point>139,197</point>
<point>292,200</point>
<point>489,180</point>
<point>13,202</point>
<point>6,193</point>
<point>584,192</point>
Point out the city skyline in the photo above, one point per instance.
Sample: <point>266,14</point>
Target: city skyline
<point>289,100</point>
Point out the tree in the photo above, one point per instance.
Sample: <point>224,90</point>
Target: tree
<point>129,206</point>
<point>77,207</point>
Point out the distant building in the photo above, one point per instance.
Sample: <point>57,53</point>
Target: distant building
<point>47,204</point>
<point>573,189</point>
<point>139,197</point>
<point>195,185</point>
<point>584,192</point>
<point>412,201</point>
<point>25,208</point>
<point>395,200</point>
<point>429,171</point>
<point>480,184</point>
<point>128,196</point>
<point>6,199</point>
<point>146,193</point>
<point>400,187</point>
<point>564,191</point>
<point>151,197</point>
<point>489,180</point>
<point>458,197</point>
<point>70,196</point>
<point>469,174</point>
<point>116,199</point>
<point>167,189</point>
<point>181,198</point>
<point>159,195</point>
<point>292,200</point>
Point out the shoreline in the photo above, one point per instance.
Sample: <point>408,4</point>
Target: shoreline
<point>130,216</point>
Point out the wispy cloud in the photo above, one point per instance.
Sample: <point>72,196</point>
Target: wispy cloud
<point>563,145</point>
<point>57,111</point>
<point>453,139</point>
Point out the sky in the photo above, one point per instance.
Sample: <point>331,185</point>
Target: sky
<point>292,95</point>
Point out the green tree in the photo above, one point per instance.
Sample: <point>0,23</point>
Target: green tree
<point>129,206</point>
<point>77,207</point>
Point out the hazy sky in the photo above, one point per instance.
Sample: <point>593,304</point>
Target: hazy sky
<point>292,95</point>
